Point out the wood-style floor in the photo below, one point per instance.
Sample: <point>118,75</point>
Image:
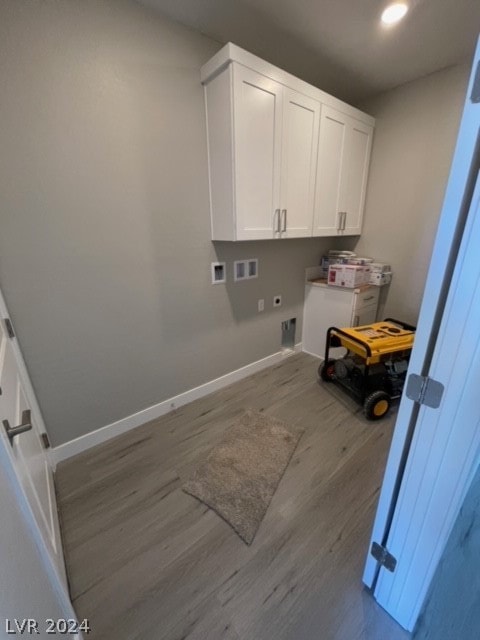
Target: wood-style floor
<point>146,561</point>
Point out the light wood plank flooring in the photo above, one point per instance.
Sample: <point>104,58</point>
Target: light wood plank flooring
<point>147,561</point>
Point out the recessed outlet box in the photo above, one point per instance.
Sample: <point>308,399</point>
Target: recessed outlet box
<point>245,269</point>
<point>240,270</point>
<point>252,268</point>
<point>219,273</point>
<point>277,301</point>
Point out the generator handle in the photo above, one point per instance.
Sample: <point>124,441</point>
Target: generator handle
<point>404,325</point>
<point>346,335</point>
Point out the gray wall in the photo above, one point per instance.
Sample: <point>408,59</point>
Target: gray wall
<point>104,244</point>
<point>452,607</point>
<point>415,134</point>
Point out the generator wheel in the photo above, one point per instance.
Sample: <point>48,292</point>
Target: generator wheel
<point>376,405</point>
<point>326,371</point>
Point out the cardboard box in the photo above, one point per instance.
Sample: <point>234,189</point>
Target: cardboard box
<point>379,279</point>
<point>347,275</point>
<point>381,267</point>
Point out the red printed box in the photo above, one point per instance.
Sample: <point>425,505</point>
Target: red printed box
<point>347,275</point>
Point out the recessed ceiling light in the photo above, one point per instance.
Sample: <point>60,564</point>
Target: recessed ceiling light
<point>394,12</point>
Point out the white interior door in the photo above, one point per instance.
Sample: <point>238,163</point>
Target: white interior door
<point>445,450</point>
<point>301,119</point>
<point>30,587</point>
<point>258,129</point>
<point>26,450</point>
<point>435,451</point>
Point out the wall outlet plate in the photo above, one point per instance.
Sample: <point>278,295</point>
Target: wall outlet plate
<point>277,301</point>
<point>245,269</point>
<point>261,305</point>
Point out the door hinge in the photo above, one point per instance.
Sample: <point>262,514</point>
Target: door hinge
<point>475,97</point>
<point>383,557</point>
<point>424,390</point>
<point>9,327</point>
<point>45,440</point>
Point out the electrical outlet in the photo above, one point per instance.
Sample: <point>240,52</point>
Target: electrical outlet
<point>261,305</point>
<point>277,301</point>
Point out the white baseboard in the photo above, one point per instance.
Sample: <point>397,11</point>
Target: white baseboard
<point>76,446</point>
<point>315,355</point>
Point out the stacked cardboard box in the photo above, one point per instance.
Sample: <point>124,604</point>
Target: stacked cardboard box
<point>381,274</point>
<point>348,275</point>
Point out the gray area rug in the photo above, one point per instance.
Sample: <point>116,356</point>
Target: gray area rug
<point>242,472</point>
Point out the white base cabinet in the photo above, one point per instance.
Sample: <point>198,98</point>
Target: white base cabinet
<point>285,159</point>
<point>327,306</point>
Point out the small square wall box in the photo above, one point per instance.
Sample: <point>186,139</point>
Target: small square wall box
<point>219,273</point>
<point>346,275</point>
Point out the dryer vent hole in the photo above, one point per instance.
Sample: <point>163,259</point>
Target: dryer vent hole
<point>288,333</point>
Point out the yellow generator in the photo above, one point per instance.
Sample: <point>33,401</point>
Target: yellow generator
<point>374,367</point>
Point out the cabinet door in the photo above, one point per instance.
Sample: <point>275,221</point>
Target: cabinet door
<point>343,160</point>
<point>364,315</point>
<point>301,118</point>
<point>257,134</point>
<point>358,142</point>
<point>330,169</point>
<point>325,307</point>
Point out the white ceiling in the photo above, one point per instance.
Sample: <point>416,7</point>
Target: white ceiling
<point>339,45</point>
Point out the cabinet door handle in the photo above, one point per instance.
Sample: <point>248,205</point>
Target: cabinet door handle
<point>277,216</point>
<point>342,217</point>
<point>284,212</point>
<point>344,220</point>
<point>369,298</point>
<point>356,320</point>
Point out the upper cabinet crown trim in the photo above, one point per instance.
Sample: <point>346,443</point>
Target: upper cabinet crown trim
<point>232,53</point>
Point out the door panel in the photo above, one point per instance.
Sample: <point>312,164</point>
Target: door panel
<point>258,127</point>
<point>28,455</point>
<point>354,179</point>
<point>446,445</point>
<point>301,117</point>
<point>429,468</point>
<point>333,130</point>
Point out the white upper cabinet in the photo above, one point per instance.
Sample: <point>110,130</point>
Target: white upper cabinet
<point>257,109</point>
<point>283,162</point>
<point>301,119</point>
<point>343,160</point>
